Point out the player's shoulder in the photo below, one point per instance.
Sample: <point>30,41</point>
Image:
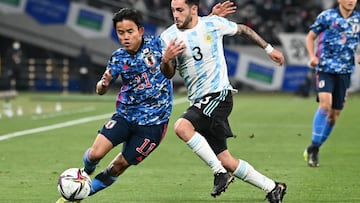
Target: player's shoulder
<point>119,52</point>
<point>329,12</point>
<point>212,18</point>
<point>151,40</point>
<point>169,32</point>
<point>356,13</point>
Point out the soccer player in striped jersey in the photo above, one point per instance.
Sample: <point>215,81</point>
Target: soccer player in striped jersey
<point>143,104</point>
<point>338,32</point>
<point>194,46</point>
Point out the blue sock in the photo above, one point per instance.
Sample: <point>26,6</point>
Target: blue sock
<point>319,122</point>
<point>101,181</point>
<point>89,166</point>
<point>326,132</point>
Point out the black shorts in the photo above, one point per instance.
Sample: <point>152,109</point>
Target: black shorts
<point>209,116</point>
<point>336,84</point>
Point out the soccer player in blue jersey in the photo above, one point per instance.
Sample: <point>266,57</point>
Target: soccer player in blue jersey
<point>143,104</point>
<point>194,46</point>
<point>337,31</point>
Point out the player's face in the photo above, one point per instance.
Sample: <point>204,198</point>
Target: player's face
<point>130,35</point>
<point>348,5</point>
<point>183,14</point>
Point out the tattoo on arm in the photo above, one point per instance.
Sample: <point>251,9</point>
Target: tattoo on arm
<point>251,34</point>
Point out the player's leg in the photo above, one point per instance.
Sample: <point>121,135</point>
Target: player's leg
<point>204,117</point>
<point>185,130</point>
<point>199,145</point>
<point>114,132</point>
<point>246,172</point>
<point>108,176</point>
<point>325,86</point>
<point>138,146</point>
<point>96,152</point>
<point>340,93</point>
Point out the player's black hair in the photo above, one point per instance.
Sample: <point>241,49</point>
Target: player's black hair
<point>128,14</point>
<point>192,2</point>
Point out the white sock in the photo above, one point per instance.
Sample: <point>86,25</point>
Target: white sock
<point>247,173</point>
<point>201,147</point>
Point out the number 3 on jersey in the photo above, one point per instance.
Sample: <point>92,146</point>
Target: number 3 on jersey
<point>197,55</point>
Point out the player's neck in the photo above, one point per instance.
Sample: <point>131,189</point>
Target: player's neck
<point>194,22</point>
<point>345,12</point>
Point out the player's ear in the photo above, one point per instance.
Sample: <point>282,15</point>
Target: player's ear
<point>141,30</point>
<point>194,10</point>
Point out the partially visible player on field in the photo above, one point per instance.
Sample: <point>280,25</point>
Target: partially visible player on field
<point>338,34</point>
<point>144,102</point>
<point>194,46</point>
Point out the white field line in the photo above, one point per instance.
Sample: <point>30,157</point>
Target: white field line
<point>55,126</point>
<point>67,124</point>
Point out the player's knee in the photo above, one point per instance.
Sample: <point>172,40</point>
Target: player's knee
<point>326,106</point>
<point>183,128</point>
<point>333,116</point>
<point>95,155</point>
<point>230,163</point>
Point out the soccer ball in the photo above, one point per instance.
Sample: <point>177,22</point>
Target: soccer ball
<point>74,184</point>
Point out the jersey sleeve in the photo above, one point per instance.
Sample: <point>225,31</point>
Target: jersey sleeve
<point>113,65</point>
<point>321,23</point>
<point>225,26</point>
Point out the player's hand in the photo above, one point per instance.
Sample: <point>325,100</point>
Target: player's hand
<point>106,78</point>
<point>224,9</point>
<point>314,61</point>
<point>277,57</point>
<point>173,49</point>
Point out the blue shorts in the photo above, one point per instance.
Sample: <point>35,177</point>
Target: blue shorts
<point>138,140</point>
<point>336,84</point>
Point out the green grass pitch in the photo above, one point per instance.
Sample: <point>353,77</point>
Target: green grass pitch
<point>272,129</point>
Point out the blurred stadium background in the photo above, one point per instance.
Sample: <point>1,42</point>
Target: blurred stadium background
<point>272,124</point>
<point>51,34</point>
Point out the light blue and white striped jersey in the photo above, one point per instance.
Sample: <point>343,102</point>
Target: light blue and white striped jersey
<point>202,65</point>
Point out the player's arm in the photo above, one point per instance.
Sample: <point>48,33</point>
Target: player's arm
<point>103,85</point>
<point>167,66</point>
<point>310,47</point>
<point>223,9</point>
<point>274,54</point>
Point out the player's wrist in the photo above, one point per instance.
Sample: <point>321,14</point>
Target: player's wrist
<point>268,49</point>
<point>165,60</point>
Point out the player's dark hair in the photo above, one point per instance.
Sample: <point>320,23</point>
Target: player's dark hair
<point>128,14</point>
<point>192,2</point>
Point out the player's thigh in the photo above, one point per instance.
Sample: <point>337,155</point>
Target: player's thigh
<point>142,142</point>
<point>100,147</point>
<point>325,84</point>
<point>342,83</point>
<point>116,130</point>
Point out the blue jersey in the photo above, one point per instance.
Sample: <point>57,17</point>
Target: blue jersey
<point>145,96</point>
<point>338,41</point>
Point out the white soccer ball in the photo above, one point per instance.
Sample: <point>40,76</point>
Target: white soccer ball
<point>74,184</point>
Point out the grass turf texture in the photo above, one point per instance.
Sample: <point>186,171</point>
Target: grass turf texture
<point>272,132</point>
